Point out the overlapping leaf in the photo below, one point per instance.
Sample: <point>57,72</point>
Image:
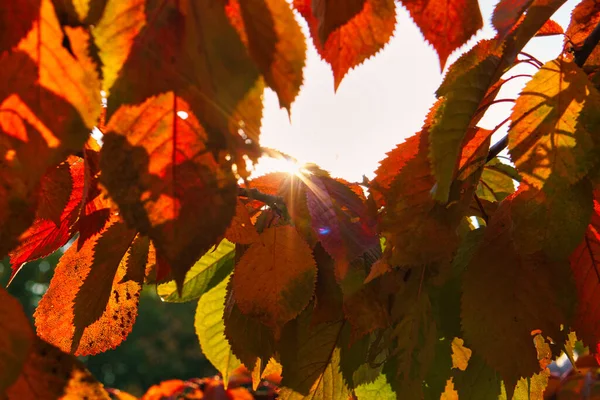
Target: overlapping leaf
<point>98,306</point>
<point>553,123</point>
<point>211,269</point>
<point>275,42</point>
<point>275,278</point>
<point>191,48</point>
<point>333,14</point>
<point>340,220</point>
<point>585,264</point>
<point>241,230</point>
<point>507,14</point>
<point>311,359</point>
<point>210,329</point>
<point>357,40</point>
<point>584,18</point>
<point>463,89</point>
<point>60,201</point>
<point>447,25</point>
<point>507,293</point>
<point>158,169</point>
<point>44,113</point>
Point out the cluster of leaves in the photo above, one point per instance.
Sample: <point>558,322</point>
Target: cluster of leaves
<point>446,280</point>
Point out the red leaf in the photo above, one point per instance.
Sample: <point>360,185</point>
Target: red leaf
<point>357,40</point>
<point>48,234</point>
<point>507,14</point>
<point>446,24</point>
<point>19,15</point>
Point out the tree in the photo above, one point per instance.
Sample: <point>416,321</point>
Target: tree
<point>442,278</point>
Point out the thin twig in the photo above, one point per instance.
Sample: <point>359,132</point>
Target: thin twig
<point>581,56</point>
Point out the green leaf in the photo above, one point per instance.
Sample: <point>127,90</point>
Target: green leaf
<point>496,182</point>
<point>463,96</point>
<point>210,329</point>
<point>310,357</point>
<point>208,272</point>
<point>378,390</point>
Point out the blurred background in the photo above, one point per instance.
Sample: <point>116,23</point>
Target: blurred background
<point>162,345</point>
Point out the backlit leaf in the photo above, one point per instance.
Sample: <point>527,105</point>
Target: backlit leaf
<point>495,183</point>
<point>550,28</point>
<point>584,18</point>
<point>585,264</point>
<point>478,381</point>
<point>88,284</point>
<point>379,389</point>
<point>190,48</point>
<point>552,125</point>
<point>462,98</point>
<point>114,34</point>
<point>167,184</point>
<point>447,25</point>
<point>50,374</point>
<point>310,356</point>
<point>507,14</point>
<point>241,230</point>
<point>275,278</point>
<point>61,194</point>
<point>357,40</point>
<point>211,269</point>
<point>333,14</point>
<point>252,342</point>
<point>507,293</point>
<point>275,42</point>
<point>340,219</point>
<point>16,340</point>
<point>460,354</point>
<point>44,113</point>
<point>211,330</point>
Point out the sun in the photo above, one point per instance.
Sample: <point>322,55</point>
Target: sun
<point>279,164</point>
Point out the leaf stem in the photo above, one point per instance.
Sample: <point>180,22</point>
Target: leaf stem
<point>581,56</point>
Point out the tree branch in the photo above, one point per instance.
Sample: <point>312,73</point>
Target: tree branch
<point>581,55</point>
<point>276,203</point>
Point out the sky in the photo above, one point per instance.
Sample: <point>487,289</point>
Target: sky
<point>379,103</point>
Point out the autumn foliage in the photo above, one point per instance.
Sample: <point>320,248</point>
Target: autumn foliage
<point>452,274</point>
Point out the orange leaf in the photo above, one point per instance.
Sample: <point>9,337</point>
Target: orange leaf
<point>190,48</point>
<point>275,278</point>
<point>551,135</point>
<point>275,42</point>
<point>550,28</point>
<point>241,230</point>
<point>50,374</point>
<point>60,200</point>
<point>98,307</point>
<point>507,14</point>
<point>357,40</point>
<point>446,24</point>
<point>167,184</point>
<point>584,18</point>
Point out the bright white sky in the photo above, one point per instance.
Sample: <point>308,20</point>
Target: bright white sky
<point>379,103</point>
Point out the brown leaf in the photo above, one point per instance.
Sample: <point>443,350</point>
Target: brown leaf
<point>275,278</point>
